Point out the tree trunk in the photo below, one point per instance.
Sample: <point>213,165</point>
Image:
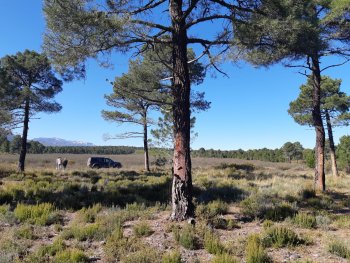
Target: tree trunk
<point>320,180</point>
<point>145,142</point>
<point>23,152</point>
<point>331,145</point>
<point>182,206</point>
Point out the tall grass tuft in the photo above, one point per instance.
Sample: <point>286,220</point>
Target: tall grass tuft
<point>186,237</point>
<point>224,258</point>
<point>212,243</point>
<point>142,229</point>
<point>338,248</point>
<point>40,214</point>
<point>172,257</point>
<point>280,236</point>
<point>255,252</point>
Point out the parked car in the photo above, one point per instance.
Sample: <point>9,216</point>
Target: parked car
<point>102,162</point>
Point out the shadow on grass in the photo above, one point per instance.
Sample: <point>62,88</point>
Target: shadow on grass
<point>74,195</point>
<point>223,193</point>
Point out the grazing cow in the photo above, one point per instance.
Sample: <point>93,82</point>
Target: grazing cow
<point>64,163</point>
<point>59,163</point>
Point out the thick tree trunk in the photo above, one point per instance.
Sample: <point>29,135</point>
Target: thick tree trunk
<point>331,145</point>
<point>23,152</point>
<point>145,142</point>
<point>320,179</point>
<point>182,206</point>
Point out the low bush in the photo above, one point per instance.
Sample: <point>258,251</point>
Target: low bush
<point>70,256</point>
<point>280,236</point>
<point>212,243</point>
<point>145,255</point>
<point>88,215</point>
<point>52,249</point>
<point>267,224</point>
<point>255,252</point>
<point>264,207</point>
<point>82,233</point>
<point>142,229</point>
<point>305,220</point>
<point>172,257</point>
<point>224,258</point>
<point>186,237</point>
<point>211,210</point>
<point>222,223</point>
<point>40,214</point>
<point>340,249</point>
<point>26,232</point>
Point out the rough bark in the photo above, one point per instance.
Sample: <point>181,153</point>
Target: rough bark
<point>145,142</point>
<point>331,145</point>
<point>23,152</point>
<point>320,179</point>
<point>182,206</point>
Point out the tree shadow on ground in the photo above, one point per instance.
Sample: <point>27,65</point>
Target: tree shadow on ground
<point>224,193</point>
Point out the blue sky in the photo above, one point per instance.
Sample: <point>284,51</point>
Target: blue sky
<point>248,110</point>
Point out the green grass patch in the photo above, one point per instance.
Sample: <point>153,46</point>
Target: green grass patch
<point>224,258</point>
<point>255,251</point>
<point>172,257</point>
<point>212,243</point>
<point>142,229</point>
<point>305,220</point>
<point>186,237</point>
<point>40,214</point>
<point>340,249</point>
<point>280,236</point>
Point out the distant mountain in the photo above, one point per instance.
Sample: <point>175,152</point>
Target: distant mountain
<point>61,142</point>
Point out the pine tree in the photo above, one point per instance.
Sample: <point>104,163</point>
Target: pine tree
<point>34,83</point>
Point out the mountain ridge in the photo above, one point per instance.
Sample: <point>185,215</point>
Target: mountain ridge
<point>60,142</point>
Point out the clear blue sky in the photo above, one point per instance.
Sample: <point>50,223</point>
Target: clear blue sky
<point>248,110</point>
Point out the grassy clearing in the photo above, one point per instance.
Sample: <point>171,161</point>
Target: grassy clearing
<point>245,212</point>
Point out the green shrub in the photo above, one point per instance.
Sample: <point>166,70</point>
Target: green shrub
<point>222,223</point>
<point>145,255</point>
<point>82,233</point>
<point>338,248</point>
<point>212,209</point>
<point>40,214</point>
<point>212,243</point>
<point>51,249</point>
<point>279,212</point>
<point>117,246</point>
<point>280,236</point>
<point>142,229</point>
<point>4,209</point>
<point>264,207</point>
<point>70,256</point>
<point>267,224</point>
<point>172,257</point>
<point>305,220</point>
<point>224,258</point>
<point>255,252</point>
<point>88,215</point>
<point>323,221</point>
<point>186,237</point>
<point>26,232</point>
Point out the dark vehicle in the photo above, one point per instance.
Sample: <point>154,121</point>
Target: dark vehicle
<point>102,162</point>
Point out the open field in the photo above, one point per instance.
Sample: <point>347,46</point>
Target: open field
<point>247,211</point>
<point>129,161</point>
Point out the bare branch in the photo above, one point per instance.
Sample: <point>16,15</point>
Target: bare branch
<point>336,65</point>
<point>125,135</point>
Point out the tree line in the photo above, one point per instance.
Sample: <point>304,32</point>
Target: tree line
<point>34,147</point>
